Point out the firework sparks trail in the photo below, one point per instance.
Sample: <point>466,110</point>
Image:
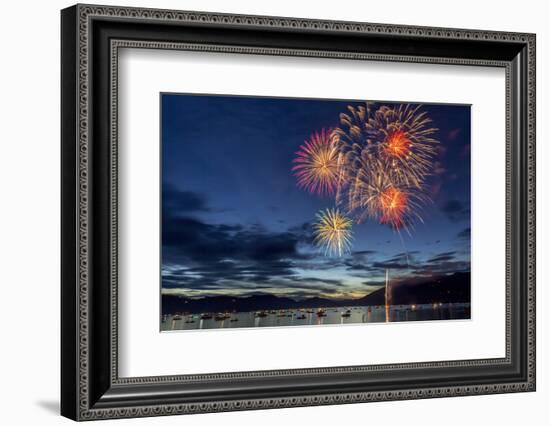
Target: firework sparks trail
<point>317,164</point>
<point>367,190</point>
<point>333,232</point>
<point>384,157</point>
<point>405,249</point>
<point>399,136</point>
<point>403,137</point>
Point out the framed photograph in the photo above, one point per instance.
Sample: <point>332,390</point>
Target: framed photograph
<point>263,212</point>
<point>261,230</point>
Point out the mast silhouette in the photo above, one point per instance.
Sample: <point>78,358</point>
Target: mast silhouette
<point>387,296</point>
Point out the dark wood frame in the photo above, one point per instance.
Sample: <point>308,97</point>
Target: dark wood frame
<point>91,37</point>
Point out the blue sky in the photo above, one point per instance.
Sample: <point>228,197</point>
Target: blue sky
<point>235,222</point>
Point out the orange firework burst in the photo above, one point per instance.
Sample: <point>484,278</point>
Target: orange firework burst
<point>393,206</point>
<point>367,190</point>
<point>397,144</point>
<point>404,139</point>
<point>384,156</point>
<point>333,232</point>
<point>401,136</point>
<point>317,164</point>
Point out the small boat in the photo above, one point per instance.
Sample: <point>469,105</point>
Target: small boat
<point>346,314</point>
<point>220,317</point>
<point>301,317</point>
<point>176,317</point>
<point>189,321</point>
<point>234,319</point>
<point>261,314</point>
<point>206,316</point>
<point>321,313</point>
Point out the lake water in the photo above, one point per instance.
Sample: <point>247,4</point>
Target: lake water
<point>341,315</point>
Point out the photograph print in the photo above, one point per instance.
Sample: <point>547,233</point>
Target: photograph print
<point>284,212</point>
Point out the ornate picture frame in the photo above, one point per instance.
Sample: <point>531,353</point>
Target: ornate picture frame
<point>91,38</point>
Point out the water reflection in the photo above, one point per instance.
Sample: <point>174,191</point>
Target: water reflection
<point>340,315</point>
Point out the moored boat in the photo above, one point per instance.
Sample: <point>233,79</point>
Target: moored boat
<point>221,317</point>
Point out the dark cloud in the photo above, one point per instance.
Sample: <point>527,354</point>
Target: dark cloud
<point>408,267</point>
<point>237,259</point>
<point>364,269</point>
<point>215,255</point>
<point>443,267</point>
<point>374,283</point>
<point>304,232</point>
<point>330,282</point>
<point>361,257</point>
<point>176,202</point>
<point>391,265</point>
<point>311,261</point>
<point>456,211</point>
<point>405,254</point>
<point>443,257</point>
<point>199,241</point>
<point>464,234</point>
<point>363,252</point>
<point>241,278</point>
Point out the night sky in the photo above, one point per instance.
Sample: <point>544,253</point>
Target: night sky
<point>234,221</point>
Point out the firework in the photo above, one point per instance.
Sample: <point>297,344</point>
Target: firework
<point>333,232</point>
<point>393,204</point>
<point>403,137</point>
<point>352,128</point>
<point>317,164</point>
<point>368,190</point>
<point>400,136</point>
<point>352,137</point>
<point>384,156</point>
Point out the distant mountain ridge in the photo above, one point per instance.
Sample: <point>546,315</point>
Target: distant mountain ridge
<point>454,288</point>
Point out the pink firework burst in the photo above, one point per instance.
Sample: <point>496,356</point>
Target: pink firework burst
<point>316,166</point>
